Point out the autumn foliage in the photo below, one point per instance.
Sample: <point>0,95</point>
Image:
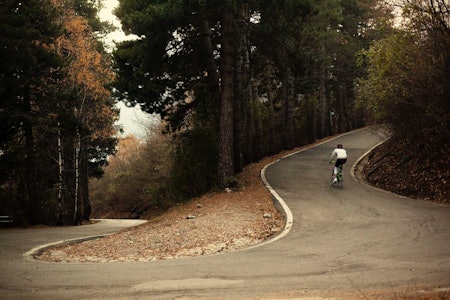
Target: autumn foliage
<point>137,180</point>
<point>57,116</point>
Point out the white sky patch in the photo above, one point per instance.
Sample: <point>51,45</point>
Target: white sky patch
<point>136,122</point>
<point>132,119</point>
<point>106,14</point>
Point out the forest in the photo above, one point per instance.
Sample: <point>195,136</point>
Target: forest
<point>232,82</point>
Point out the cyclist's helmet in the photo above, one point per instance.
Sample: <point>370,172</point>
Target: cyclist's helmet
<point>339,146</point>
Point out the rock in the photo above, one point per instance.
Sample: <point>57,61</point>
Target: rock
<point>267,216</point>
<point>190,252</point>
<point>57,255</point>
<point>190,217</point>
<point>215,248</point>
<point>241,242</point>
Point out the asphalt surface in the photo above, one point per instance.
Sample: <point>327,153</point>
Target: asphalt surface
<point>348,243</point>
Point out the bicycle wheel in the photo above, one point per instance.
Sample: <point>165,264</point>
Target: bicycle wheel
<point>340,183</point>
<point>340,179</point>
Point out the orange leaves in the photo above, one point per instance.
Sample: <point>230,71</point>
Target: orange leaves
<point>86,67</point>
<point>87,73</point>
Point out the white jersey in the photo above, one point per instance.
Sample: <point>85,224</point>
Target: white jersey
<point>339,153</point>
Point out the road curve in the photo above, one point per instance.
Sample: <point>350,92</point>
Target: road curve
<point>342,243</point>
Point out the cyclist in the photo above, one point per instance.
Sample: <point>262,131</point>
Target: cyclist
<point>341,158</point>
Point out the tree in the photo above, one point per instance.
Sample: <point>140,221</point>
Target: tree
<point>225,161</point>
<point>249,72</point>
<point>407,87</point>
<point>89,107</point>
<point>27,30</point>
<point>283,23</point>
<point>137,180</point>
<point>161,80</point>
<point>408,74</point>
<point>40,112</point>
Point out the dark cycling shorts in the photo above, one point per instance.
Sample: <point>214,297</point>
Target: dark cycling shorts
<point>340,162</point>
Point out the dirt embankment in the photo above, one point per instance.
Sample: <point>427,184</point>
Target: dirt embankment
<point>408,170</point>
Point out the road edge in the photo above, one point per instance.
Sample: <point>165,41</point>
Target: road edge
<point>31,254</point>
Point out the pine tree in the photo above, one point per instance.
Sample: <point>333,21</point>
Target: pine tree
<point>27,29</point>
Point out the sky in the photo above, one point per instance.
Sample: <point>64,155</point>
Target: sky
<point>107,15</point>
<point>132,119</point>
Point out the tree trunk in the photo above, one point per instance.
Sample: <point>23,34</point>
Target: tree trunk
<point>289,109</point>
<point>59,218</point>
<point>287,96</point>
<point>76,204</point>
<point>32,199</point>
<point>225,164</point>
<point>77,197</point>
<point>211,67</point>
<point>84,180</point>
<point>322,109</point>
<point>259,148</point>
<point>242,95</point>
<point>322,97</point>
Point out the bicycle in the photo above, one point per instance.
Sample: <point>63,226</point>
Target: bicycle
<point>339,176</point>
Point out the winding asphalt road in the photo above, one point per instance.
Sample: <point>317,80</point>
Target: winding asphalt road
<point>340,244</point>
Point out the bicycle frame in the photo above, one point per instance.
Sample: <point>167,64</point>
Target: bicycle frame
<point>338,175</point>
